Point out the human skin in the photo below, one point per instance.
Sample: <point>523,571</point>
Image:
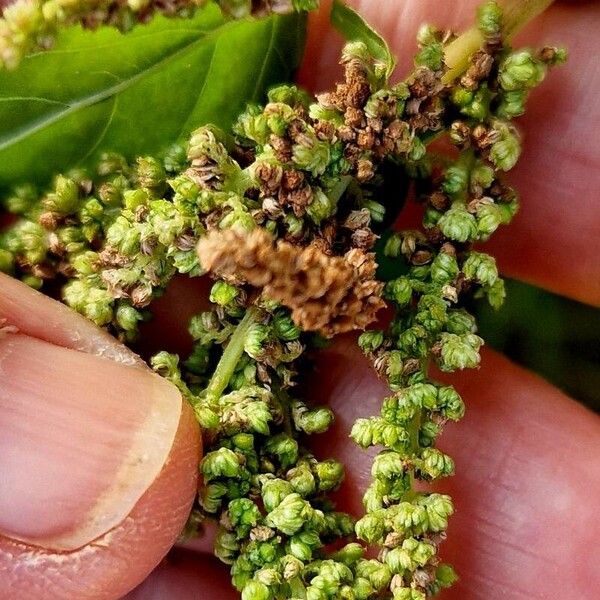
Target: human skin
<point>527,457</point>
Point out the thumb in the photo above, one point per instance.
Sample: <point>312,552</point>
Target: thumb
<point>98,456</point>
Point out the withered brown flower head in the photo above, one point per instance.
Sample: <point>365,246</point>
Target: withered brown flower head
<point>328,294</point>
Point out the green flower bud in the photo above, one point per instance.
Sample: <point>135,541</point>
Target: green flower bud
<point>111,192</point>
<point>399,560</point>
<point>220,463</point>
<point>482,176</point>
<point>373,498</point>
<point>226,546</point>
<point>445,576</point>
<point>431,312</point>
<point>439,508</point>
<point>413,341</point>
<point>393,246</point>
<point>520,70</point>
<point>291,567</point>
<point>408,517</point>
<point>512,104</point>
<point>151,173</point>
<point>166,365</point>
<point>206,417</point>
<point>321,206</point>
<point>316,420</point>
<point>460,321</point>
<point>293,224</point>
<point>388,465</point>
<point>421,395</point>
<point>459,225</point>
<point>283,447</point>
<point>127,317</point>
<point>289,94</point>
<point>330,474</point>
<point>243,515</point>
<point>479,107</point>
<point>303,544</point>
<point>378,573</point>
<point>311,155</point>
<point>495,294</point>
<point>252,125</point>
<point>444,268</point>
<point>94,303</point>
<point>428,433</point>
<point>111,163</point>
<point>434,464</point>
<point>506,151</point>
<point>461,96</point>
<point>124,236</point>
<point>64,199</point>
<point>211,496</point>
<point>371,528</point>
<point>290,515</point>
<point>349,554</point>
<point>399,290</point>
<point>175,159</point>
<point>314,593</point>
<point>481,268</point>
<point>376,210</point>
<point>284,327</point>
<point>408,594</point>
<point>33,282</point>
<point>302,480</point>
<point>255,590</point>
<point>431,55</point>
<point>72,239</point>
<point>21,200</point>
<point>273,491</point>
<point>363,432</point>
<point>223,293</point>
<point>450,403</point>
<point>489,19</point>
<point>420,552</point>
<point>489,218</point>
<point>256,337</point>
<point>27,239</point>
<point>270,577</point>
<point>369,341</point>
<point>132,199</point>
<point>459,351</point>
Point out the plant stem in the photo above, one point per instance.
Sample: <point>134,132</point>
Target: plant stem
<point>517,13</point>
<point>230,357</point>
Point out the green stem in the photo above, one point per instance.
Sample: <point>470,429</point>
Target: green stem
<point>413,431</point>
<point>230,357</point>
<point>517,13</point>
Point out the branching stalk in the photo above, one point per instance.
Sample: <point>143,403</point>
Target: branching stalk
<point>517,13</point>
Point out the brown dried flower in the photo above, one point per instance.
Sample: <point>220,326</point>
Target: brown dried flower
<point>328,294</point>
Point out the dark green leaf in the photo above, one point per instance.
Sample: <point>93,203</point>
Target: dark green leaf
<point>137,93</point>
<point>352,26</point>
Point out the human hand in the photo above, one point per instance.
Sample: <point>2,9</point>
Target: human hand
<point>527,457</point>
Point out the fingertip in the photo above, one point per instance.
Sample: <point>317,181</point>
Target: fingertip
<point>110,566</point>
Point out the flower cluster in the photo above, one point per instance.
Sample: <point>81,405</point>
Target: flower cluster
<point>284,213</point>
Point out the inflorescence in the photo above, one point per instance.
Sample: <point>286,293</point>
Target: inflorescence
<point>284,212</point>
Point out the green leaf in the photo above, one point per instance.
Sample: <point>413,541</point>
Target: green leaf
<point>139,92</point>
<point>352,26</point>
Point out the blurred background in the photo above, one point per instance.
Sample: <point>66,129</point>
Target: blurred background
<point>557,338</point>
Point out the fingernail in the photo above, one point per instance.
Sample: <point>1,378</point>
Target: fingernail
<point>81,439</point>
